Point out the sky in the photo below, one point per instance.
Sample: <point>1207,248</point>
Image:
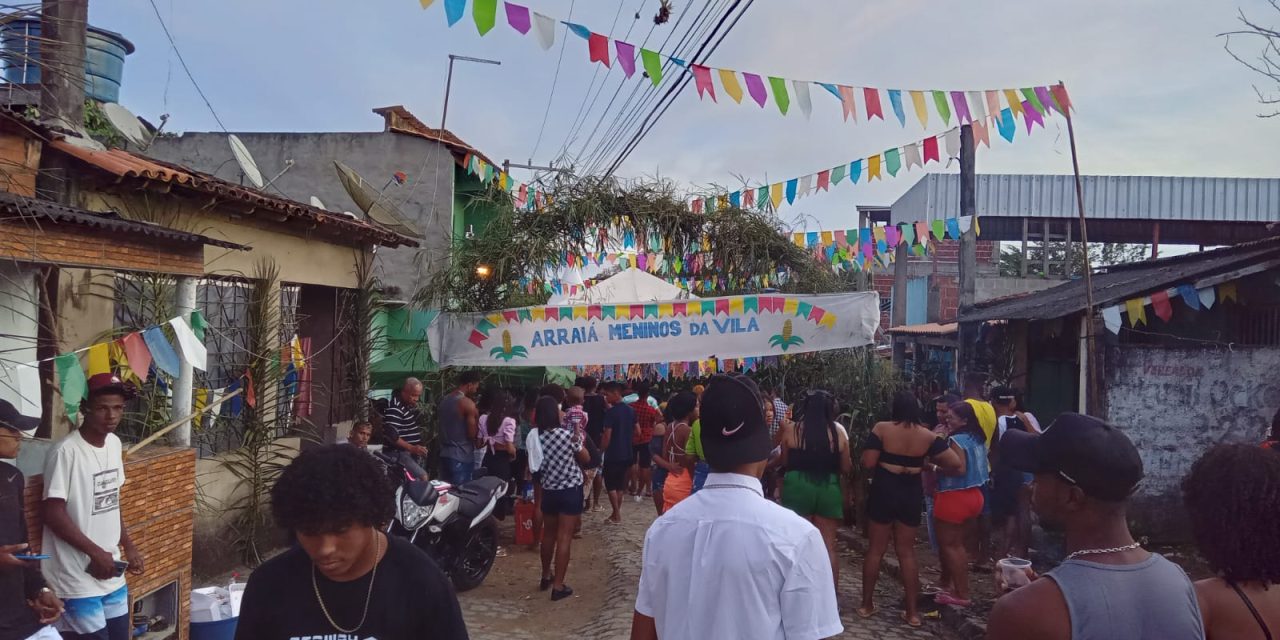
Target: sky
<point>1154,90</point>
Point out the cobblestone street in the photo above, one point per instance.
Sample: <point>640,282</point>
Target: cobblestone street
<point>605,572</point>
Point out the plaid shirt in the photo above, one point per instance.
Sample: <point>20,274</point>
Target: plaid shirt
<point>559,468</point>
<point>779,414</point>
<point>646,418</point>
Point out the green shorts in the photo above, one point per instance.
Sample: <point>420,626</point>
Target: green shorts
<point>808,498</point>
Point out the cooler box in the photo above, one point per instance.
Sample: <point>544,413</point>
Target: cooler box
<point>524,523</point>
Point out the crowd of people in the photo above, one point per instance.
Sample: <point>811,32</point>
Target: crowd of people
<point>750,490</point>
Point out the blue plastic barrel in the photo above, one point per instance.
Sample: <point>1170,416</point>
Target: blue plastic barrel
<point>104,57</point>
<point>218,630</point>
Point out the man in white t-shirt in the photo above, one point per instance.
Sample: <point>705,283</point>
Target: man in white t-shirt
<point>84,524</point>
<point>725,563</point>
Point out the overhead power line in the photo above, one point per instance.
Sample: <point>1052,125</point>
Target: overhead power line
<point>185,68</point>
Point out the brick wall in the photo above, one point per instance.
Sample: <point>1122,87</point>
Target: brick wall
<point>159,508</point>
<point>79,246</point>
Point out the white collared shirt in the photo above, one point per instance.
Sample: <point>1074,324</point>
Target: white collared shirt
<point>727,564</point>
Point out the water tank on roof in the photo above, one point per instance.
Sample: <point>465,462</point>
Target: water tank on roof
<point>104,58</point>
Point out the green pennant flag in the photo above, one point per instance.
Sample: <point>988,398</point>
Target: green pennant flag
<point>485,13</point>
<point>837,174</point>
<point>198,324</point>
<point>892,161</point>
<point>762,196</point>
<point>1030,94</point>
<point>71,381</point>
<point>652,63</point>
<point>944,109</point>
<point>780,93</point>
<point>939,229</point>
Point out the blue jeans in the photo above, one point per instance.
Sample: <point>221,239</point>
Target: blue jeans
<point>700,472</point>
<point>457,471</point>
<point>928,521</point>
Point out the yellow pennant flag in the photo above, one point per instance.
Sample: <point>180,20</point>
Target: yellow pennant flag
<point>798,238</point>
<point>1137,310</point>
<point>295,353</point>
<point>735,306</point>
<point>579,313</point>
<point>922,112</point>
<point>873,167</point>
<point>122,362</point>
<point>426,3</point>
<point>199,400</point>
<point>99,359</point>
<point>538,314</point>
<point>775,194</point>
<point>828,321</point>
<point>789,307</point>
<point>1227,291</point>
<point>731,87</point>
<point>665,310</point>
<point>494,319</point>
<point>1015,104</point>
<point>877,233</point>
<point>706,243</point>
<point>827,238</point>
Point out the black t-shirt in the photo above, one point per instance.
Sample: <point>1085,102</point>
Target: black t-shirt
<point>595,407</point>
<point>412,600</point>
<point>620,420</point>
<point>17,584</point>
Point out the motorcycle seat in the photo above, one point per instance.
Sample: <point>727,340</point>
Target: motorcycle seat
<point>475,495</point>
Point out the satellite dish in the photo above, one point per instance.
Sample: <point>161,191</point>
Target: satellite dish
<point>375,206</point>
<point>126,123</point>
<point>315,202</point>
<point>247,166</point>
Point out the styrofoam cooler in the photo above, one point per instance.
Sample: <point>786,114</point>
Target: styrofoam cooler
<point>207,602</point>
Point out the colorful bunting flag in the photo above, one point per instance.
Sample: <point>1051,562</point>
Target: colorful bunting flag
<point>544,29</point>
<point>162,353</point>
<point>598,48</point>
<point>838,173</point>
<point>99,359</point>
<point>729,81</point>
<point>652,63</point>
<point>136,352</point>
<point>1160,304</point>
<point>1227,291</point>
<point>71,381</point>
<point>626,53</point>
<point>801,89</point>
<point>780,96</point>
<point>193,350</point>
<point>1189,296</point>
<point>824,180</point>
<point>518,18</point>
<point>1006,125</point>
<point>892,161</point>
<point>1032,115</point>
<point>912,152</point>
<point>978,107</point>
<point>453,10</point>
<point>702,80</point>
<point>1136,308</point>
<point>755,88</point>
<point>485,13</point>
<point>1111,318</point>
<point>847,103</point>
<point>873,168</point>
<point>791,190</point>
<point>951,140</point>
<point>930,149</point>
<point>944,109</point>
<point>962,107</point>
<point>871,97</point>
<point>855,171</point>
<point>1033,99</point>
<point>922,112</point>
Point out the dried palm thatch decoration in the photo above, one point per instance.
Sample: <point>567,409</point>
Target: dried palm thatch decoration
<point>483,272</point>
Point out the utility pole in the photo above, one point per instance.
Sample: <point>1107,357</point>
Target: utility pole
<point>63,24</point>
<point>968,335</point>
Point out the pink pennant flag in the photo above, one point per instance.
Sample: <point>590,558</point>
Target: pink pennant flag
<point>872,98</point>
<point>922,233</point>
<point>962,107</point>
<point>755,87</point>
<point>930,149</point>
<point>135,350</point>
<point>824,180</point>
<point>846,101</point>
<point>993,102</point>
<point>518,17</point>
<point>702,79</point>
<point>748,198</point>
<point>891,235</point>
<point>1060,97</point>
<point>1031,115</point>
<point>981,133</point>
<point>626,56</point>
<point>598,47</point>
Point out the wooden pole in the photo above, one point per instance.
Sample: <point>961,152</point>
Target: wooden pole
<point>1087,325</point>
<point>968,207</point>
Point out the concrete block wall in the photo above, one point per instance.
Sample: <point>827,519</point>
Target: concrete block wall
<point>159,508</point>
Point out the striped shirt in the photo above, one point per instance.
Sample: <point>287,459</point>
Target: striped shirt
<point>400,420</point>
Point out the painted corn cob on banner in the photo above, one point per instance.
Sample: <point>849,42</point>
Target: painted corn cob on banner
<point>679,330</point>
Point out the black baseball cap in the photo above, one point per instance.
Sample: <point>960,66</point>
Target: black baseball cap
<point>1082,450</point>
<point>733,428</point>
<point>11,419</point>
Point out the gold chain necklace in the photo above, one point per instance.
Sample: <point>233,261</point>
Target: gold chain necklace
<point>367,598</point>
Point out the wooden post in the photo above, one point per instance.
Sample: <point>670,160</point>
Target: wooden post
<point>1086,325</point>
<point>1044,249</point>
<point>968,207</point>
<point>1155,241</point>
<point>63,25</point>
<point>1066,255</point>
<point>1023,268</point>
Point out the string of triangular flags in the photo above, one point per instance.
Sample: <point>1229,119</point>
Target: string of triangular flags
<point>891,162</point>
<point>149,354</point>
<point>965,105</point>
<point>524,196</point>
<point>1161,304</point>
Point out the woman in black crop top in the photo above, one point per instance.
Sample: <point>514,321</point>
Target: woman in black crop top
<point>895,452</point>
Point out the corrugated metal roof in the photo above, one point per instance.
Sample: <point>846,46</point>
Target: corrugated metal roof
<point>16,206</point>
<point>124,164</point>
<point>937,196</point>
<point>1123,282</point>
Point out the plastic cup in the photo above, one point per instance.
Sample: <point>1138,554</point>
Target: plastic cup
<point>1013,572</point>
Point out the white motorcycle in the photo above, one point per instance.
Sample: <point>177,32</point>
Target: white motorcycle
<point>452,524</point>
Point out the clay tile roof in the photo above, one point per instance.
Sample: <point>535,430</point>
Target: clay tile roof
<point>399,120</point>
<point>124,164</point>
<point>15,206</point>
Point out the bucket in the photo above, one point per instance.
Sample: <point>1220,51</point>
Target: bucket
<point>216,630</point>
<point>524,523</point>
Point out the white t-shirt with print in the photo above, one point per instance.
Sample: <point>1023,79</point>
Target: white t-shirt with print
<point>89,479</point>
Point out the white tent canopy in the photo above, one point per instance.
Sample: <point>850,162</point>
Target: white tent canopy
<point>631,285</point>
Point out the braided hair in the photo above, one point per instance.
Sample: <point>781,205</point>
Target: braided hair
<point>1232,496</point>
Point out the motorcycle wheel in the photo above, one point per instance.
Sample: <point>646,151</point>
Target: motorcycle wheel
<point>476,556</point>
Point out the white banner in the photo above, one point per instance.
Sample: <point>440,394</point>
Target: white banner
<point>676,331</point>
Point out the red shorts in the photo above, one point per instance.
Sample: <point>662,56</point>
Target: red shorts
<point>958,507</point>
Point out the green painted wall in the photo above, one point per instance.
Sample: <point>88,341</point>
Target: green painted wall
<point>470,210</point>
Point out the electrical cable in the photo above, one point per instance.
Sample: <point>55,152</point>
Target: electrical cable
<point>623,122</point>
<point>571,135</point>
<point>182,61</point>
<point>652,121</point>
<point>554,79</point>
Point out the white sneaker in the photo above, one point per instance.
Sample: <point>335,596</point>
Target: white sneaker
<point>639,499</point>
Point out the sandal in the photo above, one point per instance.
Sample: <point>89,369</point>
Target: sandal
<point>946,598</point>
<point>544,584</point>
<point>915,623</point>
<point>562,593</point>
<point>865,613</point>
